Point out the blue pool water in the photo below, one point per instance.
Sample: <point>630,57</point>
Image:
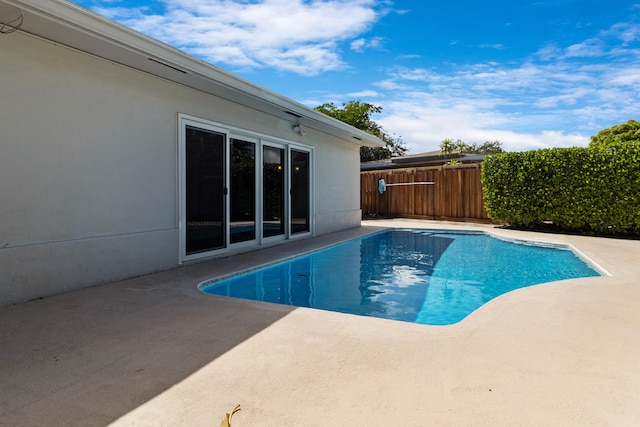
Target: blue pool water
<point>421,276</point>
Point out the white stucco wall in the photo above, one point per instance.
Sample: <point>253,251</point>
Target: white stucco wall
<point>337,187</point>
<point>88,168</point>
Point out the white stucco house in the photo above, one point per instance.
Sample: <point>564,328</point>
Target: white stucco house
<point>121,156</point>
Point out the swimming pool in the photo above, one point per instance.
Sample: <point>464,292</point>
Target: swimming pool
<point>422,276</point>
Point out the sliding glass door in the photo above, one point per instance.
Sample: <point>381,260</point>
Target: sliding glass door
<point>238,189</point>
<point>243,191</point>
<point>205,190</point>
<point>300,191</point>
<point>273,195</point>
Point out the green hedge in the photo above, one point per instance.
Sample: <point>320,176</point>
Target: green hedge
<point>576,189</point>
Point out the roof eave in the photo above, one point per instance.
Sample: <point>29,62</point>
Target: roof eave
<point>64,22</point>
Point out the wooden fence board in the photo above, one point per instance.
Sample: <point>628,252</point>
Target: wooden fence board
<point>455,194</point>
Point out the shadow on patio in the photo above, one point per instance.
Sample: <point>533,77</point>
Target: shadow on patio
<point>89,357</point>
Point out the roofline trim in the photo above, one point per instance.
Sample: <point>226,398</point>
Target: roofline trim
<point>77,18</point>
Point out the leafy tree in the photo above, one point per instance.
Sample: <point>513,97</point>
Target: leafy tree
<point>623,134</point>
<point>449,146</point>
<point>358,114</point>
<point>488,147</point>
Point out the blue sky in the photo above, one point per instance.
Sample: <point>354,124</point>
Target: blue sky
<point>531,74</point>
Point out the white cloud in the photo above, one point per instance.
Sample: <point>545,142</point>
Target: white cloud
<point>607,43</point>
<point>423,128</point>
<point>409,56</point>
<point>548,52</point>
<point>363,94</point>
<point>570,98</point>
<point>498,46</point>
<point>588,48</point>
<point>358,45</point>
<point>291,35</point>
<point>624,31</point>
<point>389,84</point>
<point>629,77</point>
<point>556,98</point>
<point>511,104</point>
<point>361,44</point>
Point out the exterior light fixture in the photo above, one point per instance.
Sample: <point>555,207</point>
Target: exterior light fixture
<point>298,129</point>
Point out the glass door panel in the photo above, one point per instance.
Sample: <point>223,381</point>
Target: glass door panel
<point>205,190</point>
<point>243,191</point>
<point>273,191</point>
<point>299,192</point>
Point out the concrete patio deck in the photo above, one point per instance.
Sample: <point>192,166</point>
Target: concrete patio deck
<point>155,351</point>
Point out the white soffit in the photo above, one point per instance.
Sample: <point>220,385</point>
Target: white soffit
<point>66,23</point>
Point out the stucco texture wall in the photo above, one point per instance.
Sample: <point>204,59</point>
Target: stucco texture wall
<point>337,187</point>
<point>88,168</point>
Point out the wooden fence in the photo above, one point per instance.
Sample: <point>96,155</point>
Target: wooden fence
<point>455,195</point>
